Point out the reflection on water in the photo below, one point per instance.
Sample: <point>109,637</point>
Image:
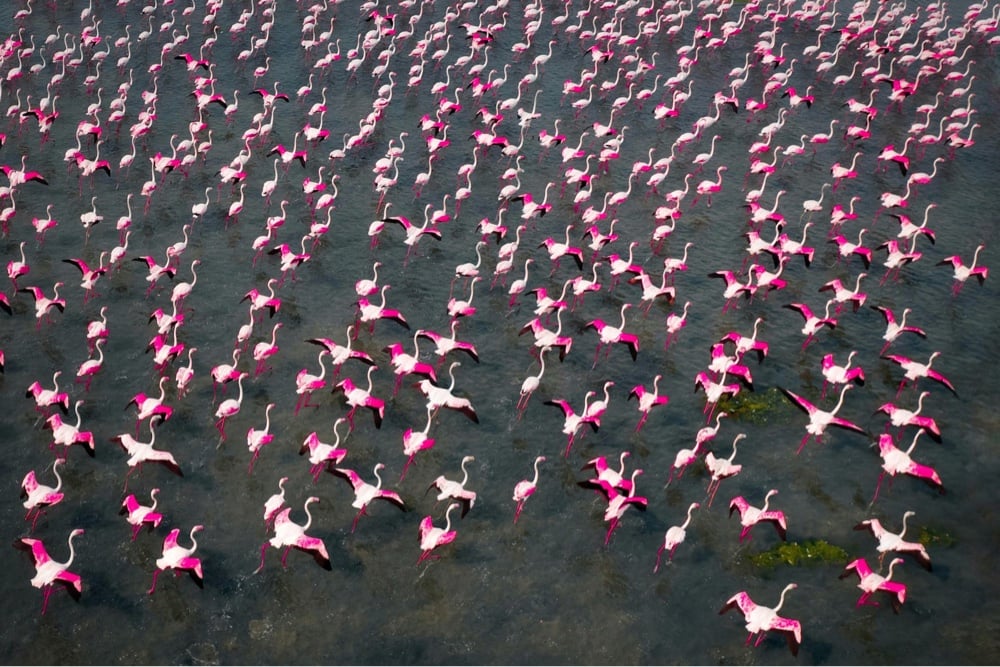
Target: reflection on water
<point>545,589</point>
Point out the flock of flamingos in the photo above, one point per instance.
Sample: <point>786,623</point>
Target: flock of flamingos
<point>560,241</point>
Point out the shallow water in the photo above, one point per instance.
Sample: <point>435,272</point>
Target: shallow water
<point>545,589</point>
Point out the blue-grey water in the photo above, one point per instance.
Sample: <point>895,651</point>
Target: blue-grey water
<point>545,589</point>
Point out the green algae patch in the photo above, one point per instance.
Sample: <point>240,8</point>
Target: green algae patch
<point>800,553</point>
<point>932,537</point>
<point>753,407</point>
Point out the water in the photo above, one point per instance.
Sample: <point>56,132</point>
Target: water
<point>546,589</point>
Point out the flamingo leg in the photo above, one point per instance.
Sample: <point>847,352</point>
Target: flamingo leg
<point>152,588</point>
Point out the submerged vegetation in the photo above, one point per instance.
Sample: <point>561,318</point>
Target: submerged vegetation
<point>753,407</point>
<point>800,553</point>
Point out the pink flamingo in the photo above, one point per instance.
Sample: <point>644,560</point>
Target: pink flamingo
<point>229,407</point>
<point>648,399</point>
<point>148,406</point>
<point>49,572</point>
<point>289,534</point>
<point>362,398</point>
<point>263,350</point>
<point>178,558</point>
<point>415,442</point>
<point>339,354</point>
<point>963,272</point>
<point>750,516</point>
<point>445,344</point>
<point>45,398</point>
<point>888,541</point>
<point>675,323</point>
<point>834,374</point>
<point>894,329</point>
<point>607,475</point>
<point>67,435</point>
<point>275,502</point>
<point>257,439</point>
<point>138,514</point>
<point>611,334</point>
<point>819,419</point>
<point>573,421</point>
<point>714,391</point>
<point>432,537</point>
<point>38,496</point>
<point>529,385</point>
<point>760,619</point>
<point>710,187</point>
<point>449,488</point>
<point>895,460</point>
<point>916,370</point>
<point>900,417</point>
<point>306,383</point>
<point>322,454</point>
<point>618,503</point>
<point>842,294</point>
<point>813,323</point>
<point>365,493</point>
<point>870,582</point>
<point>749,343</point>
<point>439,397</point>
<point>43,304</point>
<point>674,536</point>
<point>404,363</point>
<point>369,312</point>
<point>524,489</point>
<point>141,452</point>
<point>722,468</point>
<point>16,269</point>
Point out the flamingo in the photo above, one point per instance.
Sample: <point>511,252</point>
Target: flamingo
<point>686,456</point>
<point>607,475</point>
<point>888,541</point>
<point>369,312</point>
<point>362,398</point>
<point>229,408</point>
<point>448,488</point>
<point>49,572</point>
<point>673,537</point>
<point>43,304</point>
<point>16,268</point>
<point>148,407</point>
<point>524,489</point>
<point>289,534</point>
<point>843,294</point>
<point>750,516</point>
<point>141,452</point>
<point>275,502</point>
<point>257,439</point>
<point>529,386</point>
<point>610,334</point>
<point>45,398</point>
<point>365,493</point>
<point>895,460</point>
<point>432,537</point>
<point>722,468</point>
<point>834,374</point>
<point>900,417</point>
<point>339,354</point>
<point>138,514</point>
<point>571,420</point>
<point>264,350</point>
<point>870,582</point>
<point>963,272</point>
<point>417,441</point>
<point>445,344</point>
<point>894,329</point>
<point>67,435</point>
<point>813,323</point>
<point>306,383</point>
<point>178,558</point>
<point>648,399</point>
<point>438,397</point>
<point>38,496</point>
<point>714,391</point>
<point>760,619</point>
<point>618,503</point>
<point>322,454</point>
<point>675,323</point>
<point>916,370</point>
<point>819,419</point>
